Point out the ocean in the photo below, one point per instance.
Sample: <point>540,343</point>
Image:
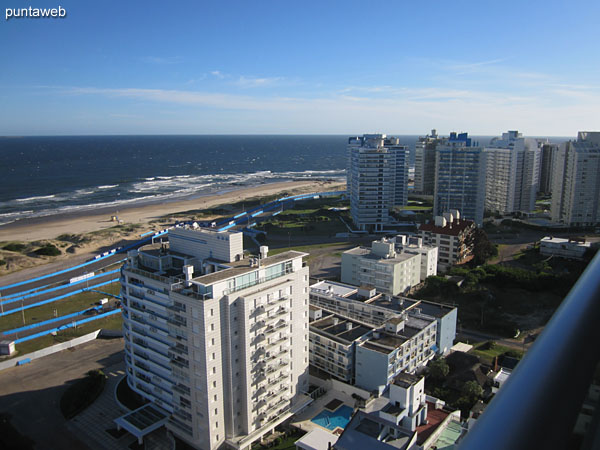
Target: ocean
<point>43,176</point>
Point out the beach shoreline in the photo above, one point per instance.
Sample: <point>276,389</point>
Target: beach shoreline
<point>81,222</point>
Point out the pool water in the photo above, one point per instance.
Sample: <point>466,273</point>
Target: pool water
<point>332,420</point>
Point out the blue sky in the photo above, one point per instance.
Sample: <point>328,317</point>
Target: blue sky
<point>290,67</point>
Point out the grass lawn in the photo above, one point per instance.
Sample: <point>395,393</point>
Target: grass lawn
<point>489,354</point>
<point>68,305</point>
<point>114,322</point>
<point>306,248</point>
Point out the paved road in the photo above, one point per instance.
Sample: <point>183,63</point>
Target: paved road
<point>57,279</point>
<point>476,336</point>
<point>31,393</point>
<point>32,298</point>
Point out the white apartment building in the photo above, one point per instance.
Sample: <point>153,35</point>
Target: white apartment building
<point>405,343</point>
<point>372,308</point>
<point>370,356</point>
<point>209,336</point>
<point>452,235</point>
<point>414,245</point>
<point>512,173</point>
<point>425,162</point>
<point>460,178</point>
<point>332,342</point>
<point>377,179</point>
<point>381,267</point>
<point>576,181</point>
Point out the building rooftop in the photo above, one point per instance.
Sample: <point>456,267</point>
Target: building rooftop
<point>241,267</point>
<point>339,289</point>
<point>406,380</point>
<point>366,253</point>
<point>345,330</point>
<point>451,229</point>
<point>384,343</point>
<point>365,431</point>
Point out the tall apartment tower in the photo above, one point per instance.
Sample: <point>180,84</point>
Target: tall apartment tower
<point>547,167</point>
<point>460,178</point>
<point>425,163</point>
<point>576,181</point>
<point>216,342</point>
<point>377,179</point>
<point>512,173</point>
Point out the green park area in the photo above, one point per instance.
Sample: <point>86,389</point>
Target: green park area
<point>317,217</point>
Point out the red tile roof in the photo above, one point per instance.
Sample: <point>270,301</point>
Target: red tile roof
<point>434,418</point>
<point>451,229</point>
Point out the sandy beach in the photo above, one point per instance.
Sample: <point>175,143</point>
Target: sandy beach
<point>86,233</point>
<point>84,222</point>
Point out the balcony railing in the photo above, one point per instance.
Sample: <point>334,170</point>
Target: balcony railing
<point>538,406</point>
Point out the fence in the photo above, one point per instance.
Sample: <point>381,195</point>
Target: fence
<point>48,350</point>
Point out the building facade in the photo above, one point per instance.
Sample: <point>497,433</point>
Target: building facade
<point>512,173</point>
<point>377,179</point>
<point>370,307</point>
<point>211,342</point>
<point>452,235</point>
<point>425,163</point>
<point>460,178</point>
<point>548,153</point>
<point>381,267</point>
<point>576,181</point>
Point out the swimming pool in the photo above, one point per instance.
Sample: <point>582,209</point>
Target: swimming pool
<point>332,420</point>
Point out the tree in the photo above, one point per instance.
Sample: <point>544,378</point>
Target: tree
<point>438,369</point>
<point>483,249</point>
<point>472,391</point>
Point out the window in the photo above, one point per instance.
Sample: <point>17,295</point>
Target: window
<point>215,399</point>
<point>216,412</point>
<point>212,327</point>
<point>212,312</point>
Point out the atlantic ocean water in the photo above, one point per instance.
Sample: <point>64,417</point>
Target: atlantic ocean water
<point>42,176</point>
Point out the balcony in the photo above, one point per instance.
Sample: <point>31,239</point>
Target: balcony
<point>539,404</point>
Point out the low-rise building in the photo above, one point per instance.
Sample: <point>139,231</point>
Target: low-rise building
<point>367,306</point>
<point>453,236</point>
<point>404,419</point>
<point>403,345</point>
<point>381,267</point>
<point>563,248</point>
<point>414,245</point>
<point>331,345</point>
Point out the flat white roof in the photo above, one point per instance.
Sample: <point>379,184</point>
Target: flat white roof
<point>461,347</point>
<point>338,289</point>
<point>556,240</point>
<point>317,439</point>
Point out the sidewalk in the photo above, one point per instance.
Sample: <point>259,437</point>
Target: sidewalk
<point>91,424</point>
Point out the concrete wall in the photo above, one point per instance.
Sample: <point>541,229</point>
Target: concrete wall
<point>50,350</point>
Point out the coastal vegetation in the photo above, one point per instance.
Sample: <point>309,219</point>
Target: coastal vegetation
<point>504,298</point>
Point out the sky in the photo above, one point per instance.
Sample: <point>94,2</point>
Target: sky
<point>310,67</point>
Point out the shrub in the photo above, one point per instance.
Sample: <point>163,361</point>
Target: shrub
<point>14,247</point>
<point>48,250</point>
<point>2,262</point>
